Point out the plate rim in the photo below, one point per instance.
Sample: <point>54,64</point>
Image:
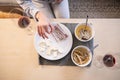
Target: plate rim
<point>59,57</point>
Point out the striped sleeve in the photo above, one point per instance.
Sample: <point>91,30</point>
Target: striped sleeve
<point>28,7</point>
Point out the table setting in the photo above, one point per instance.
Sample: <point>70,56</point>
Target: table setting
<point>18,49</point>
<point>58,49</point>
<point>70,44</point>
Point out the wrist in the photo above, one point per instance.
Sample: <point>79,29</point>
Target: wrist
<point>37,16</point>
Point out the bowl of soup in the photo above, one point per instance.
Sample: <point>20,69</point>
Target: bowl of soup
<point>81,56</point>
<point>84,32</point>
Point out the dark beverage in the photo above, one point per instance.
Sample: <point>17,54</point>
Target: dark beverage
<point>109,60</point>
<point>23,21</point>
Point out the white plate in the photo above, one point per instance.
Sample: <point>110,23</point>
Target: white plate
<point>63,46</point>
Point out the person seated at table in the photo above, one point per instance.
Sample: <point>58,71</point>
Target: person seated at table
<point>43,10</point>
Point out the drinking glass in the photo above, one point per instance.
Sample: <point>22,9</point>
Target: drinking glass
<point>23,21</point>
<point>109,60</point>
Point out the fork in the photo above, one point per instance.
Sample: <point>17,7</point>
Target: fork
<point>59,33</point>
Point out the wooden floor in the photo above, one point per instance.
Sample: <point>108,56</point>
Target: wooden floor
<point>7,8</point>
<point>10,12</point>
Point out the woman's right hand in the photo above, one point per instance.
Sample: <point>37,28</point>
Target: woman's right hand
<point>44,25</point>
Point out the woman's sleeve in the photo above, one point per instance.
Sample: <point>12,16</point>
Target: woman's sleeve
<point>28,7</point>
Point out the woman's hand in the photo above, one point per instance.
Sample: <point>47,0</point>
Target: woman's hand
<point>44,25</point>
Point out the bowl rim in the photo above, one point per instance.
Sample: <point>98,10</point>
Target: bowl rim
<point>90,53</point>
<point>90,25</point>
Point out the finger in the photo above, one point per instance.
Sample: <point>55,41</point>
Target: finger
<point>47,29</point>
<point>39,30</point>
<point>45,36</point>
<point>43,33</point>
<point>51,28</point>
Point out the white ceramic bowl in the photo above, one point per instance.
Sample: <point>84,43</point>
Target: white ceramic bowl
<point>90,56</point>
<point>78,27</point>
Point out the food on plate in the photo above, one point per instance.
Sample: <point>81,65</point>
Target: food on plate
<point>55,53</point>
<point>50,50</point>
<point>59,33</point>
<point>81,55</point>
<point>43,46</point>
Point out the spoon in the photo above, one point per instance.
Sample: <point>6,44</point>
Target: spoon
<point>84,33</point>
<point>86,23</point>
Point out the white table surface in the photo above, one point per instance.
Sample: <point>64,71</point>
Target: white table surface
<point>19,60</point>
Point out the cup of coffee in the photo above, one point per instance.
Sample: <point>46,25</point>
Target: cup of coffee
<point>84,32</point>
<point>81,56</point>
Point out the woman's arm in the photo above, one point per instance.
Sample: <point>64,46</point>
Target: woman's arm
<point>28,7</point>
<point>43,23</point>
